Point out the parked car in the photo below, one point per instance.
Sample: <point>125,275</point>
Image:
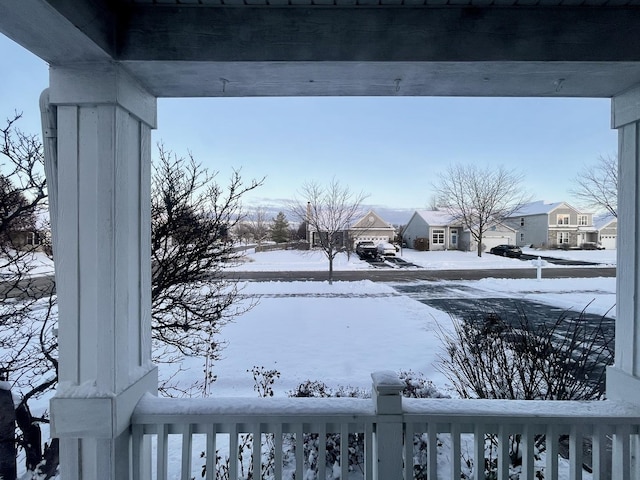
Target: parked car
<point>386,250</point>
<point>366,249</point>
<point>506,251</point>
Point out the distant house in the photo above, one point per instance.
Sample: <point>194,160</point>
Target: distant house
<point>26,238</point>
<point>607,228</point>
<point>438,230</point>
<point>372,227</point>
<point>552,225</point>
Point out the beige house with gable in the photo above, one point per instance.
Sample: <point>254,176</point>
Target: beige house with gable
<point>372,227</point>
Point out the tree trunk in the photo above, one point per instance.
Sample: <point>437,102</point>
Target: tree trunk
<point>480,245</point>
<point>31,436</point>
<point>8,466</point>
<point>331,270</point>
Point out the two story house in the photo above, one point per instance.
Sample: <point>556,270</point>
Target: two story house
<point>557,224</point>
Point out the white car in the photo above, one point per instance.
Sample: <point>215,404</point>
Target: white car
<point>386,250</point>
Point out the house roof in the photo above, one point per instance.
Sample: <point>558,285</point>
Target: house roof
<point>541,207</point>
<point>602,221</point>
<point>372,220</point>
<point>436,217</point>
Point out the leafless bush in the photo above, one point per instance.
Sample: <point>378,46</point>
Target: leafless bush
<point>491,356</point>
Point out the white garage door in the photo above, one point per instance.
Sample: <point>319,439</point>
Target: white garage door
<point>608,242</point>
<point>491,242</point>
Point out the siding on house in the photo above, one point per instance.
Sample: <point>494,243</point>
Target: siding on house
<point>607,227</point>
<point>432,225</point>
<point>552,224</point>
<point>372,227</point>
<point>532,229</point>
<point>444,233</point>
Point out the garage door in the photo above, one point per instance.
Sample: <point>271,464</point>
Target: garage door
<point>491,242</point>
<point>608,241</point>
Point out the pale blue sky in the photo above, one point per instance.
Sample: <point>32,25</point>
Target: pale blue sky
<point>390,147</point>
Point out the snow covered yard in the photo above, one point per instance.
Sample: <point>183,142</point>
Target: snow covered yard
<point>341,333</point>
<point>297,260</point>
<point>338,334</point>
<point>604,257</point>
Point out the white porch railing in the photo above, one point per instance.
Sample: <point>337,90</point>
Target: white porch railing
<point>442,438</point>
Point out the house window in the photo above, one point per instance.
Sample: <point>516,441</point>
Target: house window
<point>33,238</point>
<point>522,221</point>
<point>437,237</point>
<point>563,219</point>
<point>522,237</point>
<point>563,237</point>
<point>583,220</point>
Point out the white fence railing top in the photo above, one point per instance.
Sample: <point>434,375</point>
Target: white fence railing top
<point>607,410</point>
<point>174,410</point>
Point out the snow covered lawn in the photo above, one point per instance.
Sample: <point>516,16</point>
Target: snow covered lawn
<point>341,333</point>
<point>338,334</point>
<point>296,260</point>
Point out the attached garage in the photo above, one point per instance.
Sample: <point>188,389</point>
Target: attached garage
<point>495,235</point>
<point>607,228</point>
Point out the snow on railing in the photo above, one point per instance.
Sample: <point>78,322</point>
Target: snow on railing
<point>442,438</point>
<point>212,428</point>
<point>525,439</point>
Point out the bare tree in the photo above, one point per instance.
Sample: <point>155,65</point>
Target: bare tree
<point>479,197</point>
<point>596,186</point>
<point>433,203</point>
<point>28,310</point>
<point>259,224</point>
<point>191,217</point>
<point>328,211</point>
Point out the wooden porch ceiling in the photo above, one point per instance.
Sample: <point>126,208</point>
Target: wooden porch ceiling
<point>185,48</point>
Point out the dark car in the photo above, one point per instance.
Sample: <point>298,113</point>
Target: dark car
<point>366,249</point>
<point>506,251</point>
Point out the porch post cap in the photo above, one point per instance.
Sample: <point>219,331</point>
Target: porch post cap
<point>386,382</point>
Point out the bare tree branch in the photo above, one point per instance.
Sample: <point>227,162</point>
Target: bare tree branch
<point>329,211</point>
<point>478,197</point>
<point>191,217</point>
<point>596,186</point>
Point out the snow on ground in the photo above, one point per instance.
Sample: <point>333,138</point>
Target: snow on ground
<point>341,333</point>
<point>605,257</point>
<point>338,334</point>
<point>596,295</point>
<point>39,264</point>
<point>298,260</point>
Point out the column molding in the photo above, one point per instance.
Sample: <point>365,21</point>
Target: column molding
<point>103,264</point>
<point>101,83</point>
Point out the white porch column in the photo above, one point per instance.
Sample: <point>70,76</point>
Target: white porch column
<point>103,272</point>
<point>623,379</point>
